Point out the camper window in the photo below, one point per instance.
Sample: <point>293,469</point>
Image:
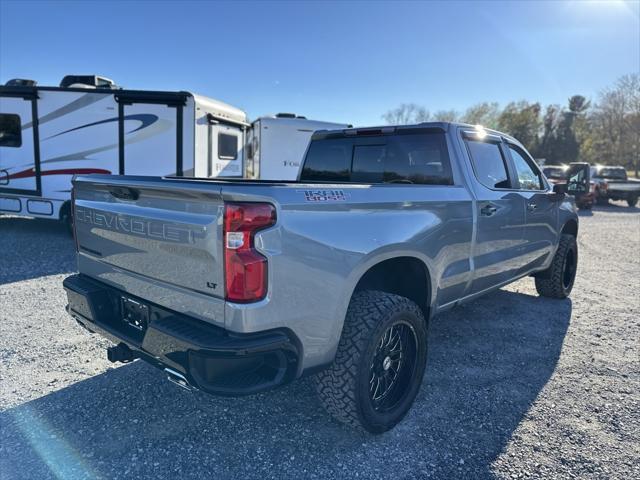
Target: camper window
<point>10,131</point>
<point>227,146</point>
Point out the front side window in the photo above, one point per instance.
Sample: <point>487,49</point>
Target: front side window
<point>488,164</point>
<point>10,130</point>
<point>420,158</point>
<point>227,146</point>
<point>528,177</point>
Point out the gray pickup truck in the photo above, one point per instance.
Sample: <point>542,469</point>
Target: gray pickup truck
<point>234,287</point>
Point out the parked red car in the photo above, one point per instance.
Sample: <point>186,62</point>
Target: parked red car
<point>558,174</point>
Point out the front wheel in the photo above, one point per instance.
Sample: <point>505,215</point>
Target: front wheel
<point>379,364</point>
<point>632,201</point>
<point>557,281</point>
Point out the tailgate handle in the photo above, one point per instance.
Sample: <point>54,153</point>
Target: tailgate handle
<point>124,193</point>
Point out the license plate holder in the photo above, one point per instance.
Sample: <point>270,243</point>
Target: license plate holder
<point>134,313</point>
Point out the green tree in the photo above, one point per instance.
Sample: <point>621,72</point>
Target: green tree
<point>559,142</point>
<point>485,114</point>
<point>445,116</point>
<point>522,121</point>
<point>613,133</point>
<point>406,113</point>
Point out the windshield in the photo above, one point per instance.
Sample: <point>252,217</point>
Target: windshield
<point>613,173</point>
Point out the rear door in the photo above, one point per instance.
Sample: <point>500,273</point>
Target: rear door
<point>500,213</point>
<point>541,210</point>
<point>19,159</point>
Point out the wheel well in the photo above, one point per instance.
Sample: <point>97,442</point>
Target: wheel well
<point>570,228</point>
<point>405,276</point>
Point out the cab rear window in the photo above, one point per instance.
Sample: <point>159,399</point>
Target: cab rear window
<point>420,158</point>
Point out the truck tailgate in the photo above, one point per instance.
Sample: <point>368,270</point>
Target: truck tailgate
<point>167,230</point>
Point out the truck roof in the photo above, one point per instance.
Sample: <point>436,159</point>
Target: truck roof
<point>388,129</point>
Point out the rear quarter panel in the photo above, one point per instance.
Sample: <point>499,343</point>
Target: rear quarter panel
<point>328,236</point>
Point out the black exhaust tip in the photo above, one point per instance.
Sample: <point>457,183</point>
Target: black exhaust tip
<point>120,353</point>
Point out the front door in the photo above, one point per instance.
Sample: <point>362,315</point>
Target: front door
<point>500,214</point>
<point>541,206</point>
<point>19,162</point>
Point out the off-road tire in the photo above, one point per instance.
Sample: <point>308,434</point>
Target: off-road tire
<point>553,282</point>
<point>344,387</point>
<point>632,201</point>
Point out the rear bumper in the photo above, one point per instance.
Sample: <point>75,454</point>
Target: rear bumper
<point>209,357</point>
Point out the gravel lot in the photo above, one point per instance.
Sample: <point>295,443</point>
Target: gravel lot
<point>516,386</point>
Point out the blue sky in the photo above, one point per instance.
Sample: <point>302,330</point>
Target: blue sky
<point>334,61</point>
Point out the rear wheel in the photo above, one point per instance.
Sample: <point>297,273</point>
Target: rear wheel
<point>632,201</point>
<point>379,364</point>
<point>557,281</point>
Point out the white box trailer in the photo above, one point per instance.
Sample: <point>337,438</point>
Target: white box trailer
<point>87,125</point>
<point>276,145</point>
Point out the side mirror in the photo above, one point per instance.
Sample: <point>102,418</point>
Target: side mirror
<point>578,178</point>
<point>560,188</point>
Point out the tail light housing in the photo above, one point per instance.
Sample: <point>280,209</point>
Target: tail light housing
<point>245,269</point>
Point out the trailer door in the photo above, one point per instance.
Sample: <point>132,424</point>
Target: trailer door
<point>151,134</point>
<point>19,159</point>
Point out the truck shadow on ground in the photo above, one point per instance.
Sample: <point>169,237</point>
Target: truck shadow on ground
<point>34,248</point>
<point>488,361</point>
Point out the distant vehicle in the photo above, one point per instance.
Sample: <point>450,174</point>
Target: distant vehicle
<point>235,287</point>
<point>89,125</point>
<point>558,174</point>
<point>611,182</point>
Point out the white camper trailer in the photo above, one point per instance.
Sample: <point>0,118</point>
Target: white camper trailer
<point>276,145</point>
<point>88,125</point>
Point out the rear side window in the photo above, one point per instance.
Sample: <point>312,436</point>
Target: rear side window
<point>488,164</point>
<point>227,146</point>
<point>10,130</point>
<point>402,158</point>
<point>528,177</point>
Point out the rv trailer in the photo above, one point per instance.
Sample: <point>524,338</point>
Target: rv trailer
<point>89,125</point>
<point>276,145</point>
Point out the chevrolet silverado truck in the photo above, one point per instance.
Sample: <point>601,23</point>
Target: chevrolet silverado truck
<point>613,183</point>
<point>234,287</point>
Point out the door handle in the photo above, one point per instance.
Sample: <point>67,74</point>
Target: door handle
<point>532,207</point>
<point>488,210</point>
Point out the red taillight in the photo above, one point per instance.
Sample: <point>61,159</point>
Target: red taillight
<point>245,268</point>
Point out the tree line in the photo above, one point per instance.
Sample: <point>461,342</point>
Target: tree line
<point>606,131</point>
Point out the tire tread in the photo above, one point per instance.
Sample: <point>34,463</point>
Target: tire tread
<point>336,386</point>
<point>550,285</point>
